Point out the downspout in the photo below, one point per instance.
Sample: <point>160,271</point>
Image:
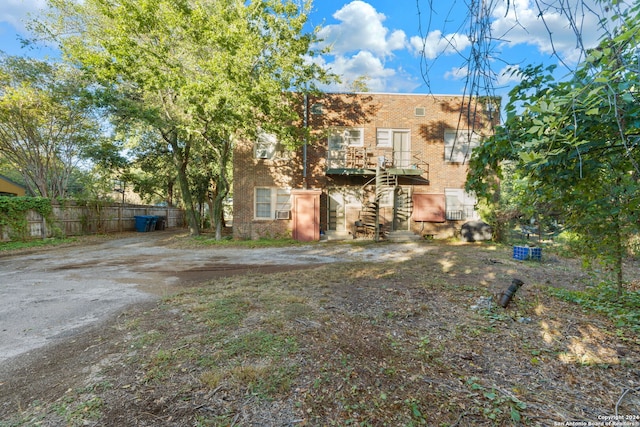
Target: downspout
<point>304,146</point>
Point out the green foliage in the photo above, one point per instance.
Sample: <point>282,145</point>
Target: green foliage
<point>200,74</point>
<point>209,240</point>
<point>604,298</point>
<point>46,122</point>
<point>569,150</point>
<point>495,405</point>
<point>12,246</point>
<point>13,213</point>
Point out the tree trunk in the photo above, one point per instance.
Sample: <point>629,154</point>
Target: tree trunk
<point>619,256</point>
<point>222,187</point>
<point>180,160</point>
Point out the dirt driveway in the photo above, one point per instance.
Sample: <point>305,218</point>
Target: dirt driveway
<point>51,295</point>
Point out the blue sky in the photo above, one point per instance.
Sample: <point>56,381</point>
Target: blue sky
<point>393,42</point>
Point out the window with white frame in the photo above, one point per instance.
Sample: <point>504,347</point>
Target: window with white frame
<point>459,144</point>
<point>346,137</point>
<point>460,205</point>
<point>266,146</point>
<point>384,138</point>
<point>272,203</point>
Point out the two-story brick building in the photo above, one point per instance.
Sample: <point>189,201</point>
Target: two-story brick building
<point>395,160</point>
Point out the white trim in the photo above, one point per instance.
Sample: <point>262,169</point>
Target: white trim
<point>460,205</point>
<point>459,144</point>
<point>384,138</point>
<point>265,146</point>
<point>279,200</point>
<point>348,136</point>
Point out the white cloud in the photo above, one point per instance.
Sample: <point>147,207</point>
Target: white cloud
<point>435,44</point>
<point>457,73</point>
<point>16,12</point>
<point>545,28</point>
<point>361,28</point>
<point>360,46</point>
<point>362,64</point>
<point>508,75</point>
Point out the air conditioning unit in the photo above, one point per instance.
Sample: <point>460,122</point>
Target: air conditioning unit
<point>262,153</point>
<point>283,214</point>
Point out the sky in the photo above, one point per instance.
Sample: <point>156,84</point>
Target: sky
<point>406,46</point>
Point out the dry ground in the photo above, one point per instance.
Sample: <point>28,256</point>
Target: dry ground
<point>395,343</point>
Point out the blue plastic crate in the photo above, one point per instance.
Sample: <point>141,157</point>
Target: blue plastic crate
<point>535,253</point>
<point>524,252</point>
<point>520,252</point>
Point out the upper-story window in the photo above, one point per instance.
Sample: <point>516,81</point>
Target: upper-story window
<point>341,138</point>
<point>459,144</point>
<point>384,138</point>
<point>266,146</point>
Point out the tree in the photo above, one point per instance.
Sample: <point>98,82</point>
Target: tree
<point>46,122</point>
<point>577,144</point>
<point>201,72</point>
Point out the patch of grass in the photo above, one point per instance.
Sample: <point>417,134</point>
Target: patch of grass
<point>495,405</point>
<point>207,240</point>
<point>223,312</point>
<point>82,406</point>
<point>147,338</point>
<point>160,366</point>
<point>603,298</point>
<point>16,246</point>
<point>260,344</point>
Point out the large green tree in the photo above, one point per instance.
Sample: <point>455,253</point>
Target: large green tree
<point>201,72</point>
<point>575,144</point>
<point>47,124</point>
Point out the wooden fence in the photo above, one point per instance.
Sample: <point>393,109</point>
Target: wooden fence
<point>74,220</point>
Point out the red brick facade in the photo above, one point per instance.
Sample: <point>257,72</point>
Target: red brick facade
<point>350,133</point>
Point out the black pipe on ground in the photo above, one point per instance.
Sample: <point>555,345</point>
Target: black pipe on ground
<point>505,299</point>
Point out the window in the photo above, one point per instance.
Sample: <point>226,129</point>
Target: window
<point>341,200</point>
<point>271,202</point>
<point>346,137</point>
<point>458,145</point>
<point>383,138</point>
<point>459,204</point>
<point>316,109</point>
<point>266,146</point>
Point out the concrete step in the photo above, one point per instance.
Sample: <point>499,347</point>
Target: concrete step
<point>402,236</point>
<point>336,235</point>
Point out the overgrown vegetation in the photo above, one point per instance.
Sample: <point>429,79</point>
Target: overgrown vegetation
<point>568,150</point>
<point>604,298</point>
<point>15,246</point>
<point>13,213</point>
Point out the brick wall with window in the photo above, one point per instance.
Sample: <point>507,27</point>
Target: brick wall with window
<point>423,128</point>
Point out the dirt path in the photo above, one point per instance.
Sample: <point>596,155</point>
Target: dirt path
<point>50,295</point>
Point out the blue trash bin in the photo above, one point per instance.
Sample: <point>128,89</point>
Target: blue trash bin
<point>152,222</point>
<point>142,223</point>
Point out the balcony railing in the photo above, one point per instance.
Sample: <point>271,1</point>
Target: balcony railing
<point>363,160</point>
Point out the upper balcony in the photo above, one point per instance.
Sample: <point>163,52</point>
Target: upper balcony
<point>364,161</point>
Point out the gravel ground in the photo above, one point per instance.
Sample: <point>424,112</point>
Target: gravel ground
<point>52,294</point>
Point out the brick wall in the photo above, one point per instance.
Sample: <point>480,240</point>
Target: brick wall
<point>369,111</point>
